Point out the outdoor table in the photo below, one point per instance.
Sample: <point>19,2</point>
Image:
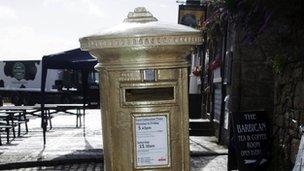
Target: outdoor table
<point>77,107</point>
<point>23,111</point>
<point>64,108</point>
<point>59,108</point>
<point>26,109</point>
<point>46,114</point>
<point>16,107</point>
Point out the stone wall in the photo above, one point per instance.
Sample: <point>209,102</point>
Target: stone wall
<point>252,79</point>
<point>256,80</point>
<point>254,87</point>
<point>252,84</point>
<point>288,114</point>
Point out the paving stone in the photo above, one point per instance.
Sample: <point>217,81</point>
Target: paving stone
<point>67,143</point>
<point>209,163</point>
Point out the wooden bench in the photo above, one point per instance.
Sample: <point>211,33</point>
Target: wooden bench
<point>5,127</point>
<point>14,118</point>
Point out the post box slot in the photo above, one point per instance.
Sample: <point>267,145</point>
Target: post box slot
<point>149,94</point>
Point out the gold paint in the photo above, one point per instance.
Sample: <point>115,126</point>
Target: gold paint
<point>122,56</point>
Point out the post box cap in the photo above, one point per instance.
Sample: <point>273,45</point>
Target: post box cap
<point>140,29</point>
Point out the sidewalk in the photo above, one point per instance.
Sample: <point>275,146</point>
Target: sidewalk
<point>71,148</point>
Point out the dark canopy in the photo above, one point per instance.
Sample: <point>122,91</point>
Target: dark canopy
<point>73,59</point>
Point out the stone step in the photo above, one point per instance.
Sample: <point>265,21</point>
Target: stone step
<point>200,124</point>
<point>200,127</point>
<point>201,132</point>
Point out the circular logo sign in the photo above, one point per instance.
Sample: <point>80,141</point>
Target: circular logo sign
<point>19,70</point>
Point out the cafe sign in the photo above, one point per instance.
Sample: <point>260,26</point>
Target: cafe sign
<point>251,139</point>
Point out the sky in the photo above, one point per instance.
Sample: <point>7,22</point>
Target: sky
<point>30,29</point>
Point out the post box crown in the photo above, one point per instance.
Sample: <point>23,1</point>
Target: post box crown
<point>142,29</point>
<point>140,15</point>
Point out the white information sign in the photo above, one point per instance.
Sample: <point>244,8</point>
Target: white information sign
<point>151,136</point>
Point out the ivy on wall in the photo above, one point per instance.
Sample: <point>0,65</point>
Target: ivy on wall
<point>276,26</point>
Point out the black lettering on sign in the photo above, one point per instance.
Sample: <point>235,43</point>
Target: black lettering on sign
<point>251,139</point>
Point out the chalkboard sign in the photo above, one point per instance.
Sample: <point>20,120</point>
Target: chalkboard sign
<point>251,140</point>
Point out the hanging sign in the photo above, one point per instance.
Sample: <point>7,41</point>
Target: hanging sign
<point>151,138</point>
<point>251,139</point>
<point>192,15</point>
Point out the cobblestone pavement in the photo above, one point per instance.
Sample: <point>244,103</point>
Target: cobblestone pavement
<point>69,167</point>
<point>209,163</point>
<point>65,142</point>
<point>202,163</point>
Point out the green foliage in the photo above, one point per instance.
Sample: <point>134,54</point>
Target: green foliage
<point>279,23</point>
<point>279,63</point>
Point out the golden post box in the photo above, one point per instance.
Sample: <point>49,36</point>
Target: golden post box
<point>144,92</point>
